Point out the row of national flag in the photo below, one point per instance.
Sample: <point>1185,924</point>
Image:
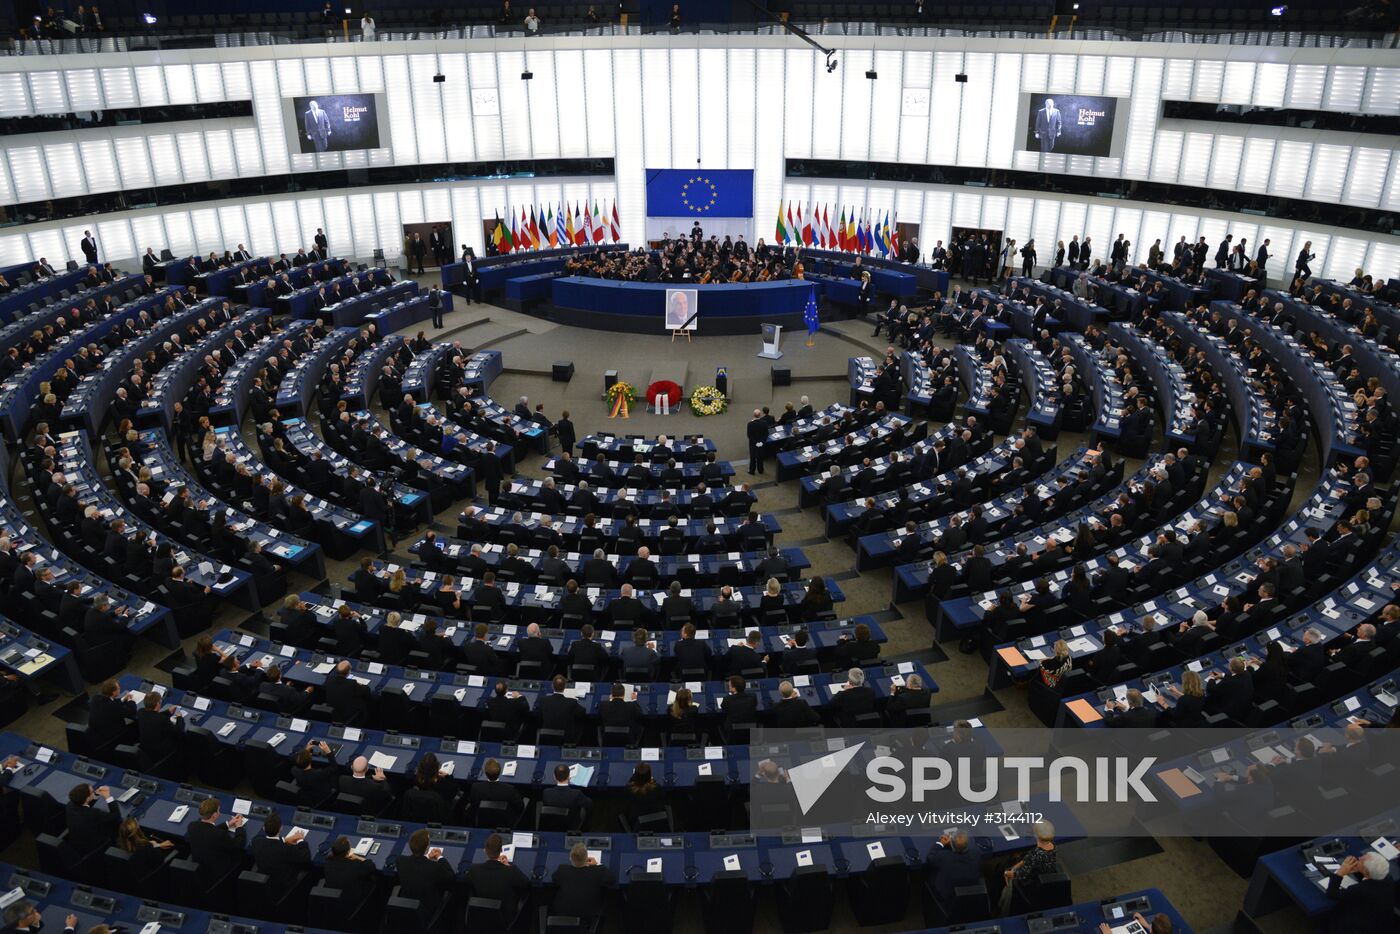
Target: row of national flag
<point>853,232</point>
<point>542,228</point>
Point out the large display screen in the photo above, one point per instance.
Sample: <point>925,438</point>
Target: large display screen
<point>1070,124</point>
<point>333,122</point>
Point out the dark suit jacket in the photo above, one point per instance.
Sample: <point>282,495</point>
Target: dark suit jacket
<point>792,714</point>
<point>691,654</point>
<point>740,708</point>
<point>424,879</point>
<point>558,712</point>
<point>1367,906</point>
<point>354,878</point>
<point>276,859</point>
<point>949,869</point>
<point>159,737</point>
<point>580,890</point>
<point>92,827</point>
<point>505,884</point>
<point>217,851</point>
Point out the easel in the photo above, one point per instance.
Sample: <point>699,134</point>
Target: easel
<point>685,328</point>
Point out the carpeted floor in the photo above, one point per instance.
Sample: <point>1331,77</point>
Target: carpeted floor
<point>1207,893</point>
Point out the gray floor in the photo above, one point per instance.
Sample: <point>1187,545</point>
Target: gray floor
<point>1206,892</point>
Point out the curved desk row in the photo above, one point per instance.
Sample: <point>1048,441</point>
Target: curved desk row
<point>724,308</point>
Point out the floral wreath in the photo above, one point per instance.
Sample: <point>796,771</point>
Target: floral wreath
<point>665,387</point>
<point>620,397</point>
<point>707,400</point>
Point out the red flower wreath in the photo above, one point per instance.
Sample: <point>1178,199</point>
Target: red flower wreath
<point>666,387</point>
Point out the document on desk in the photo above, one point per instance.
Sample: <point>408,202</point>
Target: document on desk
<point>1385,847</point>
<point>379,760</point>
<point>580,775</point>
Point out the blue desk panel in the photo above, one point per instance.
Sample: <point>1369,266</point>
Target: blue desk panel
<point>737,308</point>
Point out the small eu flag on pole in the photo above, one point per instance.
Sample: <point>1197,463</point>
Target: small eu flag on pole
<point>809,315</point>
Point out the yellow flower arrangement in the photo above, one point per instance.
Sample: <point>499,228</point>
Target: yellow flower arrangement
<point>707,400</point>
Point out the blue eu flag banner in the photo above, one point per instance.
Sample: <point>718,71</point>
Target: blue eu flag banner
<point>809,315</point>
<point>699,193</point>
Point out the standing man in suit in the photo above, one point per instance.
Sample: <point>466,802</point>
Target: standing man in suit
<point>435,305</point>
<point>1047,125</point>
<point>439,245</point>
<point>89,246</point>
<point>758,436</point>
<point>417,249</point>
<point>316,124</point>
<point>1261,262</point>
<point>323,245</point>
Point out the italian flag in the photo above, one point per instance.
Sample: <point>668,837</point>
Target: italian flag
<point>597,224</point>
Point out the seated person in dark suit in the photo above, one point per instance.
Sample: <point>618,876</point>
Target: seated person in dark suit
<point>906,698</point>
<point>347,872</point>
<point>792,711</point>
<point>1369,905</point>
<point>641,655</point>
<point>508,708</point>
<point>745,657</point>
<point>580,885</point>
<point>492,789</point>
<point>690,653</point>
<point>280,859</point>
<point>1231,694</point>
<point>495,878</point>
<point>1131,713</point>
<point>159,730</point>
<point>108,711</point>
<point>620,712</point>
<point>566,796</point>
<point>858,651</point>
<point>423,874</point>
<point>951,865</point>
<point>370,787</point>
<point>853,699</point>
<point>92,818</point>
<point>219,849</point>
<point>587,652</point>
<point>558,711</point>
<point>289,700</point>
<point>740,706</point>
<point>799,652</point>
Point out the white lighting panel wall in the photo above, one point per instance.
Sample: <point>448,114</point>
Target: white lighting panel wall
<point>824,115</point>
<point>570,80</point>
<point>1050,219</point>
<point>698,103</point>
<point>541,92</point>
<point>741,108</point>
<point>683,74</point>
<point>855,112</point>
<point>631,194</point>
<point>14,95</point>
